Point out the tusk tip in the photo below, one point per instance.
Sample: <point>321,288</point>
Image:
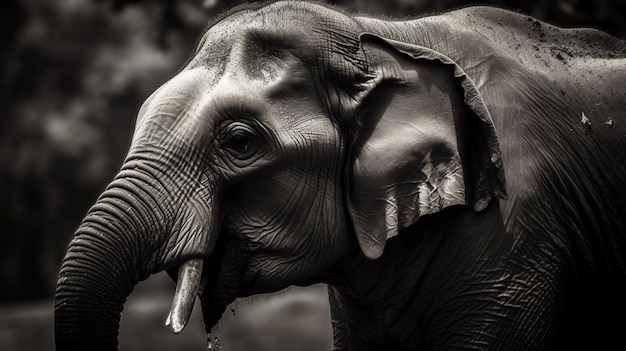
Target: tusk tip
<point>176,322</point>
<point>177,326</point>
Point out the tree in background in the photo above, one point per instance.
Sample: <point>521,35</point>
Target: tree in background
<point>74,74</point>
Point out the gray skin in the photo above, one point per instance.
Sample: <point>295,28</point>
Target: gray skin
<point>302,145</point>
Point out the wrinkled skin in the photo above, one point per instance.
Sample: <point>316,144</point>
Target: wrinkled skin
<point>293,148</point>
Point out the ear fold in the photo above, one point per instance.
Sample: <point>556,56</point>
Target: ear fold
<point>426,142</point>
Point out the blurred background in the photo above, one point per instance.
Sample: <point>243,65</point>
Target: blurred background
<point>73,74</point>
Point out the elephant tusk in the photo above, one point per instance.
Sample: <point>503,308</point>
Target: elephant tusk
<point>187,289</point>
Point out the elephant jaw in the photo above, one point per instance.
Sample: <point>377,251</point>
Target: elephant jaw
<point>191,281</point>
<point>187,288</point>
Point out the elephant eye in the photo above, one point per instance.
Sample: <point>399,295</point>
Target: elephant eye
<point>241,141</point>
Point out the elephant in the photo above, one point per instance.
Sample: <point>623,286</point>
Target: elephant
<point>458,181</point>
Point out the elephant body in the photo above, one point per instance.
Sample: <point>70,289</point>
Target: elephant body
<point>556,104</point>
<point>457,180</point>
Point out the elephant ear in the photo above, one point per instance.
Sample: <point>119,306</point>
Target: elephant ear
<point>426,142</point>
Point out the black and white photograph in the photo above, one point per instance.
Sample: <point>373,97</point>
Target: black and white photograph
<point>312,175</point>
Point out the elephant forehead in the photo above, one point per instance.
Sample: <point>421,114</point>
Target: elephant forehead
<point>250,36</point>
<point>175,107</point>
<point>252,77</point>
<point>244,40</point>
<point>185,101</point>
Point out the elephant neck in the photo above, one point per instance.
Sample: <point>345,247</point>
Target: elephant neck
<point>427,268</point>
<point>403,268</point>
<point>365,293</point>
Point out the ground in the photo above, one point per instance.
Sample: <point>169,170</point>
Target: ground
<point>294,320</point>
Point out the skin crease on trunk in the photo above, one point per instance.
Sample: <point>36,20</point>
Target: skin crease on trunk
<point>542,269</point>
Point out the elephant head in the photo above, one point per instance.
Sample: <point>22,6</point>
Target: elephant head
<point>260,163</point>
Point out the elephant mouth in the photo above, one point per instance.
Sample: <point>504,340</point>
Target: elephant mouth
<point>215,280</point>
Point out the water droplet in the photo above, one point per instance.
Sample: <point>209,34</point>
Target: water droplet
<point>217,344</point>
<point>209,343</point>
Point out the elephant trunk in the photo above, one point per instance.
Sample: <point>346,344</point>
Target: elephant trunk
<point>107,257</point>
<point>155,215</point>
